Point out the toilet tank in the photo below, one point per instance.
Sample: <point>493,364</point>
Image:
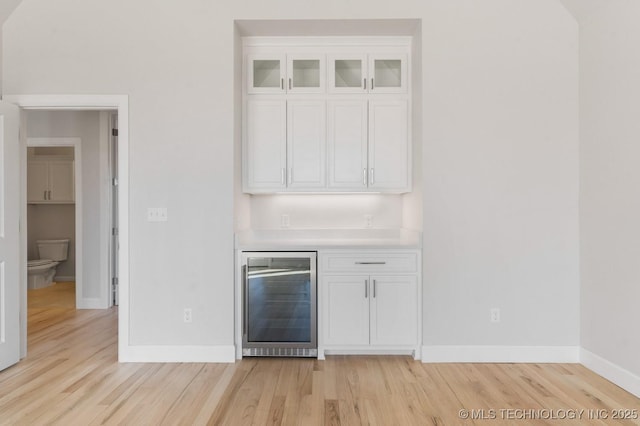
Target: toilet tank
<point>53,249</point>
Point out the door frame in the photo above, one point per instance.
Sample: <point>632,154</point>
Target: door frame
<point>119,103</point>
<point>74,143</point>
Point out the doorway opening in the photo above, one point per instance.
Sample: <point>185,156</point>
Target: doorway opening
<point>94,295</point>
<point>53,202</point>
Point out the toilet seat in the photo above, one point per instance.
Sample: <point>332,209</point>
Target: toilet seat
<point>39,262</point>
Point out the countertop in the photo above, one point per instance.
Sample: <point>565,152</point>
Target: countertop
<point>317,239</point>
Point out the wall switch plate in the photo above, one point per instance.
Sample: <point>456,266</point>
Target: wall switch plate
<point>284,221</point>
<point>157,214</point>
<point>188,317</point>
<point>368,221</point>
<point>495,315</point>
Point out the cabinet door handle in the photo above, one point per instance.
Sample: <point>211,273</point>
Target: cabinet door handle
<point>282,173</point>
<point>290,176</point>
<point>49,194</point>
<point>364,177</point>
<point>366,289</point>
<point>290,84</point>
<point>45,195</point>
<point>372,178</point>
<point>374,288</point>
<point>282,83</point>
<point>371,263</point>
<point>364,82</point>
<point>372,87</point>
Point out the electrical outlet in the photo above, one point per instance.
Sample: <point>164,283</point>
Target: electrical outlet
<point>495,315</point>
<point>284,221</point>
<point>368,221</point>
<point>157,214</point>
<point>188,317</point>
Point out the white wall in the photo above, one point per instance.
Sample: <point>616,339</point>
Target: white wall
<point>501,174</point>
<point>610,174</point>
<point>326,211</point>
<point>499,164</point>
<point>6,9</point>
<point>86,126</point>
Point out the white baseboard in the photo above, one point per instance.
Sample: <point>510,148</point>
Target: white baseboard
<point>528,354</point>
<point>610,371</point>
<point>143,353</point>
<point>91,303</point>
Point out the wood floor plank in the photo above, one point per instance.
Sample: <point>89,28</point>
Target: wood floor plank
<point>71,376</point>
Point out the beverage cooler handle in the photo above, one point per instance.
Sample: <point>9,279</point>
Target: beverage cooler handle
<point>245,308</point>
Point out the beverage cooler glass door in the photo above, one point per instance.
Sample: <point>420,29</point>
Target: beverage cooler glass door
<point>279,302</point>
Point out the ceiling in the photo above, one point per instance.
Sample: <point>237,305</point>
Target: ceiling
<point>583,9</point>
<point>6,8</point>
<point>580,9</point>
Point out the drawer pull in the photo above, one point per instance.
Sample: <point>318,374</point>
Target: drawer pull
<point>371,263</point>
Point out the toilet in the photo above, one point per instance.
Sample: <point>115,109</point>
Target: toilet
<point>40,272</point>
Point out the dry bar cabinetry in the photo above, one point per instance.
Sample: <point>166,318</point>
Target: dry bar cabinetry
<point>369,301</point>
<point>326,115</point>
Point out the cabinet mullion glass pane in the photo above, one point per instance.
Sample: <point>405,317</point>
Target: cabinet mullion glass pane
<point>266,73</point>
<point>388,72</point>
<point>348,72</point>
<point>306,73</point>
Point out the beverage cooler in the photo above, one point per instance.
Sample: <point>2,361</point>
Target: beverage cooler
<point>279,315</point>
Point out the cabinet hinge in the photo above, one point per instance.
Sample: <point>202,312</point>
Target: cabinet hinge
<point>114,231</point>
<point>114,182</point>
<point>114,132</point>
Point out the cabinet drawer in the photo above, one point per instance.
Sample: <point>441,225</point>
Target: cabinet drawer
<point>366,262</point>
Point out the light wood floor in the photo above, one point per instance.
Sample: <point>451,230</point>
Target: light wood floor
<point>71,377</point>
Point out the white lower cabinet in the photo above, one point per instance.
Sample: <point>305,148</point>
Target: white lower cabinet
<point>394,310</point>
<point>346,310</point>
<point>370,306</point>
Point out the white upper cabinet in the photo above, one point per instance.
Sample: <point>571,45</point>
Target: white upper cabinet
<point>373,73</point>
<point>266,73</point>
<point>347,73</point>
<point>285,145</point>
<point>265,152</point>
<point>347,144</point>
<point>389,167</point>
<point>326,114</point>
<point>50,182</point>
<point>306,142</point>
<point>305,73</point>
<point>368,145</point>
<point>281,73</point>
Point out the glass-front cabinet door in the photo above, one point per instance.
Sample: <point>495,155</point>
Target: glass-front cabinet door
<point>347,74</point>
<point>266,73</point>
<point>305,74</point>
<point>388,73</point>
<point>374,73</point>
<point>285,74</point>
